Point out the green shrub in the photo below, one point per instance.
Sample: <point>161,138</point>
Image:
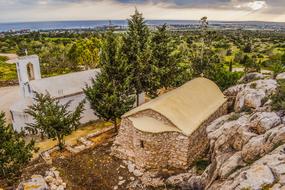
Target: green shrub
<point>234,117</point>
<point>278,99</point>
<point>3,58</point>
<point>222,77</point>
<point>201,165</point>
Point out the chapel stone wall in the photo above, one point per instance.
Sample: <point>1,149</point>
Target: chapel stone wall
<point>165,150</point>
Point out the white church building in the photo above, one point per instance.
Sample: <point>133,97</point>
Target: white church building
<point>67,87</point>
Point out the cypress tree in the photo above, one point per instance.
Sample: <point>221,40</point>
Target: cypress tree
<point>137,54</point>
<point>166,60</point>
<point>15,153</point>
<point>109,94</point>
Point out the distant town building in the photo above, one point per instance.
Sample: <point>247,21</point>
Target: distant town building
<point>169,132</point>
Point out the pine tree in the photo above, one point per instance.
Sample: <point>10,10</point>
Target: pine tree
<point>137,54</point>
<point>53,118</point>
<point>15,153</point>
<point>109,94</point>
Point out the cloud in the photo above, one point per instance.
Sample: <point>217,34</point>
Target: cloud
<point>255,5</point>
<point>31,10</point>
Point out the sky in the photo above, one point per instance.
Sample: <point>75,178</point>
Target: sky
<point>226,10</point>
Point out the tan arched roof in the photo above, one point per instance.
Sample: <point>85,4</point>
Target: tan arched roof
<point>186,107</point>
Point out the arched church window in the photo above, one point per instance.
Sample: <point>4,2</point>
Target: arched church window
<point>30,70</point>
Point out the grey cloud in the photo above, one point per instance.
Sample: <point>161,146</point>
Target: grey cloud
<point>273,6</point>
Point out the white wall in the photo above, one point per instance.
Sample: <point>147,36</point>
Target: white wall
<point>88,114</point>
<point>20,118</point>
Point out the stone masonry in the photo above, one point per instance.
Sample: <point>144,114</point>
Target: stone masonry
<point>162,151</point>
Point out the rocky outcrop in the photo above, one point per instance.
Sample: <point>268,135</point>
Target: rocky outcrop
<point>246,148</point>
<point>237,143</point>
<point>269,171</point>
<point>252,95</point>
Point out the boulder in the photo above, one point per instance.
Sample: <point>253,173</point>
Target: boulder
<point>251,77</point>
<point>252,95</point>
<point>178,179</point>
<point>137,173</point>
<point>148,180</point>
<point>254,178</point>
<point>131,167</point>
<point>231,165</point>
<point>261,122</point>
<point>234,90</point>
<point>37,182</point>
<point>249,98</point>
<point>253,149</point>
<point>280,76</point>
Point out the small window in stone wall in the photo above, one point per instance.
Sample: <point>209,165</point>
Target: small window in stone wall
<point>141,143</point>
<point>12,116</point>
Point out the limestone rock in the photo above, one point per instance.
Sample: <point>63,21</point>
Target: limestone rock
<point>196,182</point>
<point>178,179</point>
<point>239,139</point>
<point>49,179</point>
<point>149,179</point>
<point>131,167</point>
<point>280,76</point>
<point>266,171</point>
<point>137,173</point>
<point>253,94</point>
<point>253,149</point>
<point>249,98</point>
<point>230,165</point>
<point>251,77</point>
<point>121,182</point>
<point>263,121</point>
<point>54,180</point>
<point>37,182</point>
<point>254,178</point>
<point>234,90</point>
<point>260,145</point>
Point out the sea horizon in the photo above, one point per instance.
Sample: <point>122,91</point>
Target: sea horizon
<point>91,24</point>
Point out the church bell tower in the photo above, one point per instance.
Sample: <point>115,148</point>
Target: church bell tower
<point>28,69</point>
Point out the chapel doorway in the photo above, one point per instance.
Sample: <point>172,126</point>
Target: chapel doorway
<point>30,69</point>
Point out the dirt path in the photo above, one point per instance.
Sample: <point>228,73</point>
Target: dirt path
<point>8,96</point>
<point>11,57</point>
<point>240,69</point>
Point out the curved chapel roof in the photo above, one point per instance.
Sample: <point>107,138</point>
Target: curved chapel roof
<point>186,107</point>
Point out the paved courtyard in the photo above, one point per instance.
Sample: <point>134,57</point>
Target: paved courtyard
<point>8,96</point>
